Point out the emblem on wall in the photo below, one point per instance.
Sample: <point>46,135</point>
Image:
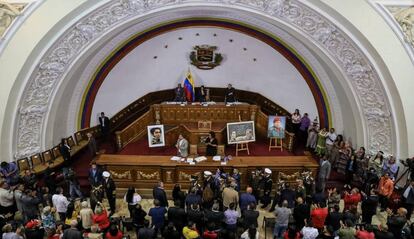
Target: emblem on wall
<point>204,57</point>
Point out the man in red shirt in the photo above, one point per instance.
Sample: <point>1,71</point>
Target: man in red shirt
<point>352,199</point>
<point>318,215</point>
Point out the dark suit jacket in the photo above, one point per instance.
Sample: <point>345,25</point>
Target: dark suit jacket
<point>95,180</point>
<point>410,198</point>
<point>230,95</point>
<point>109,187</point>
<point>288,195</point>
<point>104,121</point>
<point>65,152</point>
<point>369,205</point>
<point>300,213</point>
<point>196,216</point>
<point>178,216</point>
<point>216,217</point>
<point>250,218</point>
<point>159,193</point>
<point>334,220</point>
<point>395,225</point>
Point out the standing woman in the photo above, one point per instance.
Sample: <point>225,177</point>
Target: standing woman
<point>179,195</point>
<point>335,151</point>
<point>321,143</point>
<point>296,118</point>
<point>312,135</point>
<point>211,143</point>
<point>132,198</point>
<point>65,150</point>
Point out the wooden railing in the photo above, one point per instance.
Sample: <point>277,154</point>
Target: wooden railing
<point>136,109</point>
<point>174,115</point>
<point>135,130</point>
<point>140,106</point>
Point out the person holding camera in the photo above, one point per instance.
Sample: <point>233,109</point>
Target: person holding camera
<point>408,199</point>
<point>396,221</point>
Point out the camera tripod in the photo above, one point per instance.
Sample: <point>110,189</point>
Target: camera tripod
<point>406,174</point>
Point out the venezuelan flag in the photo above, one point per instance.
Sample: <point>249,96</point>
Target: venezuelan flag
<point>189,87</point>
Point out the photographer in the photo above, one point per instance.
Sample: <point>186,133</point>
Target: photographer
<point>397,221</point>
<point>410,164</point>
<point>408,199</point>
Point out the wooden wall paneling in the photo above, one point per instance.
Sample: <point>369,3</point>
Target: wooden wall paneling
<point>205,113</point>
<point>122,174</point>
<point>148,175</point>
<point>192,114</point>
<point>168,175</point>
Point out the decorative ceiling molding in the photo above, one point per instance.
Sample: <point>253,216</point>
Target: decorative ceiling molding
<point>13,17</point>
<point>54,65</point>
<point>118,40</point>
<point>399,15</point>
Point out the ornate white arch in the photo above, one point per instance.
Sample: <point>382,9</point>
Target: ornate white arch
<point>54,65</point>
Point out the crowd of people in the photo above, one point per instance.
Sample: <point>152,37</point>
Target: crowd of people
<point>215,205</point>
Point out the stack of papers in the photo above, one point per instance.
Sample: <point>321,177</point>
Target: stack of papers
<point>190,160</point>
<point>175,158</point>
<point>217,158</point>
<point>200,159</point>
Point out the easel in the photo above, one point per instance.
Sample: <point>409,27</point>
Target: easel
<point>273,143</point>
<point>242,147</point>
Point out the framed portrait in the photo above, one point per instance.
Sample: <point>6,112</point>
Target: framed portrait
<point>240,132</point>
<point>276,126</point>
<point>156,136</point>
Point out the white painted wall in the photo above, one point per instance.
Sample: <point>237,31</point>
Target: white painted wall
<point>391,56</point>
<point>44,25</point>
<point>141,73</point>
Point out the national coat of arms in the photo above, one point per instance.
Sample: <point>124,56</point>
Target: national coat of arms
<point>204,57</point>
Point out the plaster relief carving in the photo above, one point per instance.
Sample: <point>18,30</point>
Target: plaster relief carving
<point>55,64</point>
<point>8,12</point>
<point>405,17</point>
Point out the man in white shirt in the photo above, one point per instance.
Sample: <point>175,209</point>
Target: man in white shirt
<point>309,232</point>
<point>330,140</point>
<point>6,198</point>
<point>60,202</point>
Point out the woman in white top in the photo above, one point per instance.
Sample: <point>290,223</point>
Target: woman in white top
<point>132,198</point>
<point>86,214</point>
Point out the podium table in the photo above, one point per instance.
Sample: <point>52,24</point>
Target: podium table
<point>144,171</point>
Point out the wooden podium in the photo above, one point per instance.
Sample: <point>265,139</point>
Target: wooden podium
<point>242,147</point>
<point>274,143</point>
